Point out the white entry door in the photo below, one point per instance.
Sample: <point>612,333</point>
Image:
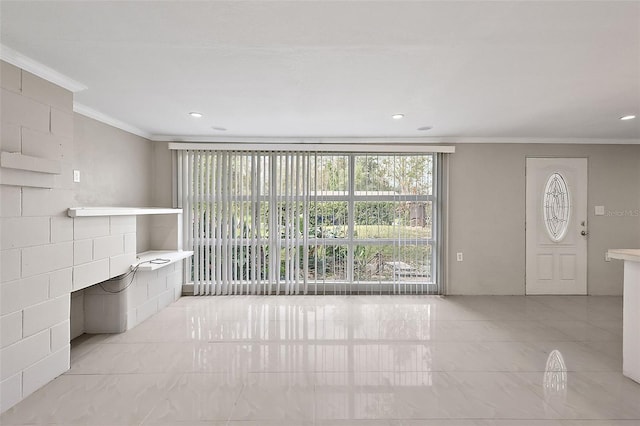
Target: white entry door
<point>556,226</point>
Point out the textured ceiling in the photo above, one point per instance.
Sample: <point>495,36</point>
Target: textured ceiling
<point>341,69</point>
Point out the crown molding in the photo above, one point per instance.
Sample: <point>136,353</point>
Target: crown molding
<point>16,58</point>
<point>106,119</point>
<point>394,140</point>
<point>554,141</point>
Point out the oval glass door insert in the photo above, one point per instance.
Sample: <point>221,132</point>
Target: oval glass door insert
<point>556,207</point>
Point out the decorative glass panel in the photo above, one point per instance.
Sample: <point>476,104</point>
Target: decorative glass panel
<point>556,207</point>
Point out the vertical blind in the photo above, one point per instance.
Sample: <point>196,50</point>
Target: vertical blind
<point>266,222</point>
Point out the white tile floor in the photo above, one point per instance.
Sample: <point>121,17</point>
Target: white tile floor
<point>351,360</point>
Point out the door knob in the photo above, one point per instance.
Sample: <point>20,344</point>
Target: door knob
<point>584,233</point>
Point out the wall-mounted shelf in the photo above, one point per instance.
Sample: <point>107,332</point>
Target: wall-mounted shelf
<point>144,259</point>
<point>625,254</point>
<point>119,211</point>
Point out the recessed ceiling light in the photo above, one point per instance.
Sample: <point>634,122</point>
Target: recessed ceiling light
<point>397,116</point>
<point>195,114</point>
<point>628,117</point>
<point>424,128</point>
<point>222,129</point>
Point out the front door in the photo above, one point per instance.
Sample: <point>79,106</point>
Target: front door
<point>556,226</point>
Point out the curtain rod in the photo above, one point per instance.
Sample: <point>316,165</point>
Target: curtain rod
<point>315,147</point>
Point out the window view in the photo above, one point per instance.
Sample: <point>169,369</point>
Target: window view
<point>273,222</point>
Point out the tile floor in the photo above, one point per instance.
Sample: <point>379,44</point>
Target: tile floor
<point>351,360</point>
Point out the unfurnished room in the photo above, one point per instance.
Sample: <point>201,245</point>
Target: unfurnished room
<point>331,213</point>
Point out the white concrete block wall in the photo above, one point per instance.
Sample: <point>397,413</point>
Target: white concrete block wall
<point>60,282</point>
<point>44,254</point>
<point>45,370</point>
<point>38,144</point>
<point>76,316</point>
<point>46,258</point>
<point>10,265</point>
<point>46,202</point>
<point>102,248</point>
<point>90,273</point>
<point>22,111</point>
<point>11,391</point>
<point>40,317</point>
<point>60,335</point>
<point>10,137</point>
<point>33,290</point>
<point>142,296</point>
<point>90,227</point>
<point>25,231</point>
<point>108,246</point>
<point>11,77</point>
<point>10,328</point>
<point>36,236</point>
<point>104,312</point>
<point>61,229</point>
<point>121,264</point>
<point>22,354</point>
<point>82,251</point>
<point>162,289</point>
<point>122,224</point>
<point>10,201</point>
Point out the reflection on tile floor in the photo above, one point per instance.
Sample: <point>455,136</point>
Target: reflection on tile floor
<point>351,360</point>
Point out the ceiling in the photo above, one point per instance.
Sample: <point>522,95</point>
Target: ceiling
<point>473,70</point>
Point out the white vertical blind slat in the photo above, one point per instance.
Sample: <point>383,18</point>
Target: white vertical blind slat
<point>296,242</point>
<point>287,221</point>
<point>226,230</point>
<point>305,224</point>
<point>242,247</point>
<point>185,205</point>
<point>255,197</point>
<point>207,229</point>
<point>194,198</point>
<point>218,209</point>
<point>197,220</point>
<point>202,221</point>
<point>274,243</point>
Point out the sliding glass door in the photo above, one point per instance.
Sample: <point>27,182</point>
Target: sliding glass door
<point>310,223</point>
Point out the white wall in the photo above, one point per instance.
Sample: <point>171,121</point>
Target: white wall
<point>115,168</point>
<point>45,255</point>
<point>36,235</point>
<point>487,213</point>
<point>161,171</point>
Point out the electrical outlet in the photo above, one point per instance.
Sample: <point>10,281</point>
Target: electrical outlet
<point>76,176</point>
<point>459,257</point>
<point>599,210</point>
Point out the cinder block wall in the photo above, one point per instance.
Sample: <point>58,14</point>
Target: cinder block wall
<point>45,255</point>
<point>36,235</point>
<point>136,297</point>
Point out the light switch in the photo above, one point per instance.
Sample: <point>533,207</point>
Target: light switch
<point>599,210</point>
<point>76,175</point>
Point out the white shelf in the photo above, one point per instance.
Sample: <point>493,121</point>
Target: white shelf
<point>632,255</point>
<point>147,256</point>
<point>119,211</point>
